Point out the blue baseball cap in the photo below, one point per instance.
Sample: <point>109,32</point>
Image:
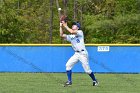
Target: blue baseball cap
<point>77,23</point>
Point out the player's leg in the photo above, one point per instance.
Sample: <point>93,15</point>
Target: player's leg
<point>69,65</point>
<point>84,60</point>
<point>85,64</point>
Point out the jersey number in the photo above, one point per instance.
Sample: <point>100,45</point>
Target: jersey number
<point>78,41</point>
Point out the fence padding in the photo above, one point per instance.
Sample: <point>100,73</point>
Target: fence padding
<point>121,59</point>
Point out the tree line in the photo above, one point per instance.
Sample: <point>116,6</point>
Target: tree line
<point>37,21</point>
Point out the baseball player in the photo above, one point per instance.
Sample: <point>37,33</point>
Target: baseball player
<point>76,38</point>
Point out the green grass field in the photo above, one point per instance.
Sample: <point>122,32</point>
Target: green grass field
<point>52,83</point>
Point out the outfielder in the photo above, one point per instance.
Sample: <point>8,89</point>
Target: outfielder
<point>76,38</point>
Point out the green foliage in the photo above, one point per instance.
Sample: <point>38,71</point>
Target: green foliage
<point>103,21</point>
<point>122,29</point>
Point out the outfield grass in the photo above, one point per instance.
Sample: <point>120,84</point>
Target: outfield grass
<point>52,83</point>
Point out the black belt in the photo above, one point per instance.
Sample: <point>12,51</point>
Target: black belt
<point>80,51</point>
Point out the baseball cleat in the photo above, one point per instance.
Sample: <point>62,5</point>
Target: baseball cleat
<point>68,83</point>
<point>95,83</point>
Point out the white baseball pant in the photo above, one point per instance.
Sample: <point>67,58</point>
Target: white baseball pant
<point>83,58</point>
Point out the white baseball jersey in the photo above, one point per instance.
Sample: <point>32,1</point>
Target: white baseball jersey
<point>77,41</point>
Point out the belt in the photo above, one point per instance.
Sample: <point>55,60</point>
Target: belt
<point>80,51</point>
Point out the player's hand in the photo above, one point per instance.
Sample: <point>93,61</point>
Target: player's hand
<point>64,23</point>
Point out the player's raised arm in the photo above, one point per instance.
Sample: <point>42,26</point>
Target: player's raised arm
<point>61,31</point>
<point>69,29</point>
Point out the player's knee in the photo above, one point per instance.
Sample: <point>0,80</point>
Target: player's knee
<point>68,67</point>
<point>88,71</point>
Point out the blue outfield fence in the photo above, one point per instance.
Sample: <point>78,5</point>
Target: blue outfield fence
<point>114,59</point>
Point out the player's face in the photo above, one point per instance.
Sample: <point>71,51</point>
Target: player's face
<point>74,27</point>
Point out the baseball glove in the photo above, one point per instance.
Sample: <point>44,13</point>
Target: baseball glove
<point>63,18</point>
